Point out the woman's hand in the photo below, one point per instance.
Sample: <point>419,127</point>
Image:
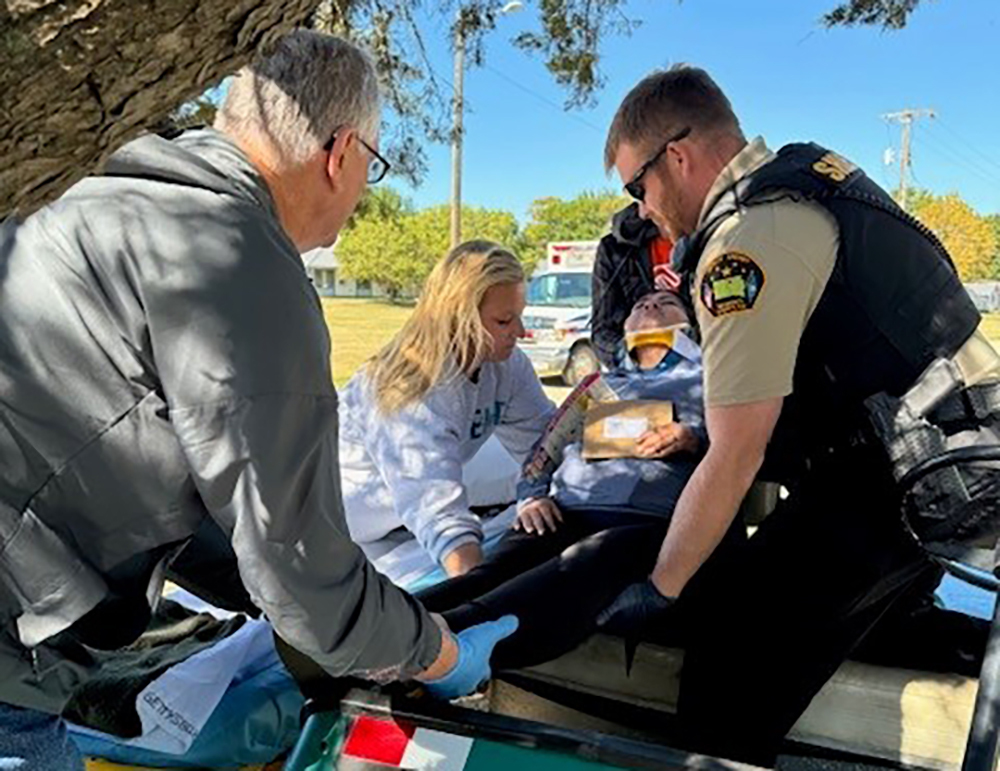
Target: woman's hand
<point>538,515</point>
<point>663,441</point>
<point>462,560</point>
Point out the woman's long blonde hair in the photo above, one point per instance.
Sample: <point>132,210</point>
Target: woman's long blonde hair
<point>444,337</point>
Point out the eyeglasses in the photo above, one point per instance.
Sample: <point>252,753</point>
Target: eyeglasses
<point>634,187</point>
<point>378,166</point>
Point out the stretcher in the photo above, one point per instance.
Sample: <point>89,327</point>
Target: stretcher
<point>369,731</point>
<point>583,707</point>
<point>581,711</point>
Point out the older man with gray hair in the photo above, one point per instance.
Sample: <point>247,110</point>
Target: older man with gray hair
<point>166,394</point>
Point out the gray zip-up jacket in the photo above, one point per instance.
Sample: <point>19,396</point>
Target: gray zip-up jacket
<point>163,358</point>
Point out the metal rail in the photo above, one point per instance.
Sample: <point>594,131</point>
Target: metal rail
<point>983,746</point>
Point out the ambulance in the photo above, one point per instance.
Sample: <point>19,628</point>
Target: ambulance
<point>557,316</point>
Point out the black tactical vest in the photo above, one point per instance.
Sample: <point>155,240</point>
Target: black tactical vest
<point>893,304</point>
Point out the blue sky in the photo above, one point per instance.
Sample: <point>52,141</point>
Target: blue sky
<point>788,78</point>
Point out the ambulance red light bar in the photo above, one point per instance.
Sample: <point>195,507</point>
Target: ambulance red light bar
<point>556,258</point>
<point>571,254</point>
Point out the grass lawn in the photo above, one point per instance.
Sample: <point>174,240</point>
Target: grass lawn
<point>359,327</point>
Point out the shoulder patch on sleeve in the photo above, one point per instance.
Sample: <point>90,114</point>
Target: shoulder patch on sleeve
<point>731,283</point>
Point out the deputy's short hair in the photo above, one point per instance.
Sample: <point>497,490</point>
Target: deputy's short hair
<point>665,102</point>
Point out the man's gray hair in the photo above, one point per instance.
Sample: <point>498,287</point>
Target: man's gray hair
<point>665,102</point>
<point>303,89</point>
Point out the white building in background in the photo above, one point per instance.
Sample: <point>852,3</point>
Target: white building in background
<point>328,277</point>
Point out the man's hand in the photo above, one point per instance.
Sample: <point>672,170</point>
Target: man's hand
<point>472,668</point>
<point>536,515</point>
<point>633,614</point>
<point>462,560</point>
<point>634,610</point>
<point>447,656</point>
<point>663,441</point>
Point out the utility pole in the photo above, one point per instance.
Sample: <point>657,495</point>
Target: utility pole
<point>457,108</point>
<point>906,118</point>
<point>457,111</point>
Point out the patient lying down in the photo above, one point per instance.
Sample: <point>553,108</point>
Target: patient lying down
<point>593,504</point>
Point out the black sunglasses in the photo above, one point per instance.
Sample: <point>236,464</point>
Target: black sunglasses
<point>378,166</point>
<point>634,186</point>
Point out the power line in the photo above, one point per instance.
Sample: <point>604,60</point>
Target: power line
<point>917,179</point>
<point>529,91</point>
<point>436,75</point>
<point>545,100</point>
<point>960,158</point>
<point>968,144</point>
<point>953,160</point>
<point>955,164</point>
<point>966,161</point>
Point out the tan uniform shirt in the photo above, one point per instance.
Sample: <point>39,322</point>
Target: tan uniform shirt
<point>758,281</point>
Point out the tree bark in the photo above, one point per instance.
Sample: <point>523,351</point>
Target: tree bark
<point>78,78</point>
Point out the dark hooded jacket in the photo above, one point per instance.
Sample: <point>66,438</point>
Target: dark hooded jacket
<point>622,275</point>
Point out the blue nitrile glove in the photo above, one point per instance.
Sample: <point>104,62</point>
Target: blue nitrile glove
<point>475,646</point>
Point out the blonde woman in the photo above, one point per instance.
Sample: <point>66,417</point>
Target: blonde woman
<point>423,406</point>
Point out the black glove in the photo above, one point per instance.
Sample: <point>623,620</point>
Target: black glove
<point>634,608</point>
<point>633,613</point>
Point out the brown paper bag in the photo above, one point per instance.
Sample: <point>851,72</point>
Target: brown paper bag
<point>610,429</point>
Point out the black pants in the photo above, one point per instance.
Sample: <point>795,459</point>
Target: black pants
<point>765,629</point>
<point>556,584</point>
<point>764,622</point>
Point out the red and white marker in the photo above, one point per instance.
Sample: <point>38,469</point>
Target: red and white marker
<point>402,745</point>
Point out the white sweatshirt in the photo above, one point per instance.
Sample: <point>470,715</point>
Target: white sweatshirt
<point>405,470</point>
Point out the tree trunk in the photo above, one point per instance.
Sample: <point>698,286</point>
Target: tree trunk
<point>78,78</point>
